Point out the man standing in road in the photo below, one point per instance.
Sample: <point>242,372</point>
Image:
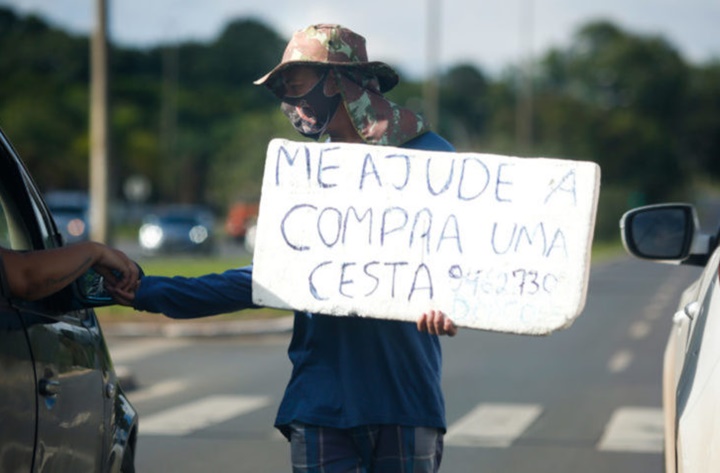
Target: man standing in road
<point>365,394</point>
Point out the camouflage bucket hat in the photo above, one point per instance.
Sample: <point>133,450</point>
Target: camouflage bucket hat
<point>330,45</point>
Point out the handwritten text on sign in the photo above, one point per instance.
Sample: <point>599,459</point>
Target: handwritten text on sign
<point>497,243</point>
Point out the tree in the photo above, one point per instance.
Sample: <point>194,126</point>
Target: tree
<point>188,117</point>
<point>464,105</point>
<point>629,90</point>
<point>700,142</point>
<point>43,103</point>
<point>183,93</point>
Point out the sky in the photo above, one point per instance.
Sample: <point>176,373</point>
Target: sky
<point>490,34</point>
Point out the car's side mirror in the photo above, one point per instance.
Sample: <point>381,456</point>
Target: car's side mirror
<point>665,232</point>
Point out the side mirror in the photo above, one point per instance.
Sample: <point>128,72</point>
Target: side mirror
<point>666,233</point>
<point>89,290</point>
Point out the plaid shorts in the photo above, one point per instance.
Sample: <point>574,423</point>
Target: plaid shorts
<point>365,449</point>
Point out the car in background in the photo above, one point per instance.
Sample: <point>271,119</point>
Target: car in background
<point>70,209</point>
<point>670,233</point>
<point>62,407</point>
<point>241,217</point>
<point>178,229</point>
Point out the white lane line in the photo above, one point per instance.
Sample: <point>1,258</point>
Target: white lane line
<point>652,313</point>
<point>200,414</point>
<point>492,425</point>
<point>634,429</point>
<point>160,389</point>
<point>139,349</point>
<point>659,305</point>
<point>639,330</point>
<point>655,309</point>
<point>620,361</point>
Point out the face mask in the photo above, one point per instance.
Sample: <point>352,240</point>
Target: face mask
<point>310,114</point>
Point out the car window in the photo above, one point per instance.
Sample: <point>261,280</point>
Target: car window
<point>42,216</point>
<point>24,223</point>
<point>4,232</point>
<point>13,235</point>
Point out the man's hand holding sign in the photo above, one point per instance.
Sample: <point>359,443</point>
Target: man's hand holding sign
<point>495,242</point>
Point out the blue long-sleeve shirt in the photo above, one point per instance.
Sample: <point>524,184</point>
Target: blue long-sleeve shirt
<point>347,371</point>
<point>180,297</point>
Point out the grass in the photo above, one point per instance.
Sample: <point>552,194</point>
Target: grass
<point>603,251</point>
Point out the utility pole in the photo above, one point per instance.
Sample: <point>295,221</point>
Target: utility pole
<point>99,126</point>
<point>524,104</point>
<point>432,49</point>
<point>169,98</point>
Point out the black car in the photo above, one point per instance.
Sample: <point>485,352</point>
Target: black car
<point>62,408</point>
<point>70,209</point>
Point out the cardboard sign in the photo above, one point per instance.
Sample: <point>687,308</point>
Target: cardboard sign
<point>498,243</point>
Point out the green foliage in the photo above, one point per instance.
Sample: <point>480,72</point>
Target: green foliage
<point>624,97</point>
<point>188,117</point>
<point>700,134</point>
<point>237,172</point>
<point>465,105</point>
<point>43,99</point>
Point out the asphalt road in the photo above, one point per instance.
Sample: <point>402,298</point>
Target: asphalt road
<point>583,399</point>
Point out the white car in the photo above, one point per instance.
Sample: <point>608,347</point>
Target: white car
<point>670,233</point>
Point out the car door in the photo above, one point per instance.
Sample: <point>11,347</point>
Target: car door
<point>18,401</point>
<point>673,359</point>
<point>698,388</point>
<point>71,408</point>
<point>68,370</point>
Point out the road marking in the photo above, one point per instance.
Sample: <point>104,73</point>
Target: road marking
<point>634,429</point>
<point>492,425</point>
<point>160,389</point>
<point>655,309</point>
<point>639,330</point>
<point>620,361</point>
<point>664,296</point>
<point>139,349</point>
<point>200,414</point>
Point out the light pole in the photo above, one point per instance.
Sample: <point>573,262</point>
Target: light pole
<point>524,105</point>
<point>432,48</point>
<point>99,128</point>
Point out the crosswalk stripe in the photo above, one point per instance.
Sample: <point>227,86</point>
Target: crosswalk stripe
<point>498,425</point>
<point>620,361</point>
<point>629,429</point>
<point>139,349</point>
<point>199,414</point>
<point>634,429</point>
<point>160,389</point>
<point>639,330</point>
<point>492,425</point>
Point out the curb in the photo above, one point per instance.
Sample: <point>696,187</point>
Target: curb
<point>195,329</point>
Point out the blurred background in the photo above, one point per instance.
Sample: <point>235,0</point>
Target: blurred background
<point>635,88</point>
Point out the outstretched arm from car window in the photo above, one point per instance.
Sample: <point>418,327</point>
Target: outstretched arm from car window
<point>36,274</point>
